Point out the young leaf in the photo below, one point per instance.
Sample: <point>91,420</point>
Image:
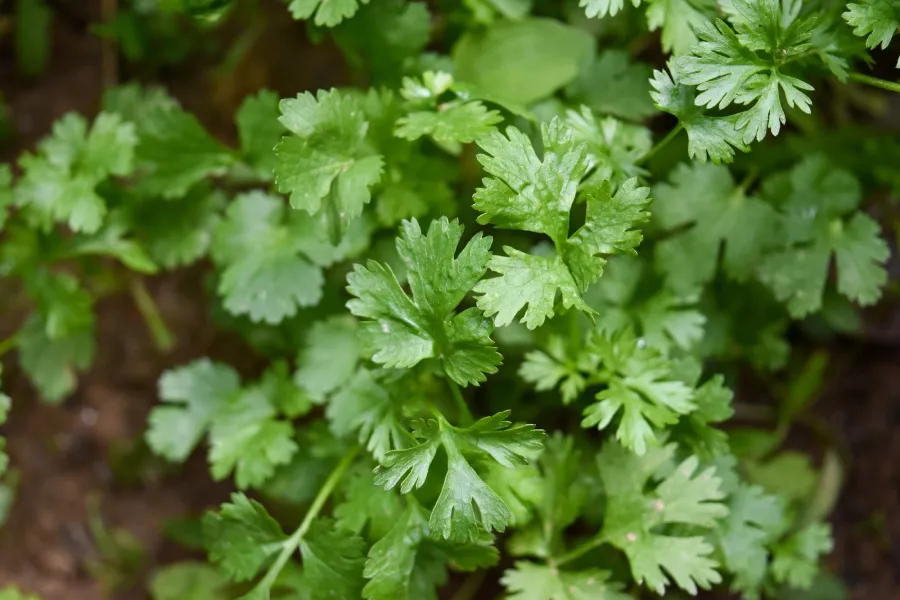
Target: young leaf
<point>246,437</point>
<point>632,514</point>
<point>175,152</point>
<point>328,13</point>
<point>401,331</point>
<point>329,357</point>
<point>51,363</point>
<point>795,560</point>
<point>327,161</point>
<point>712,138</point>
<point>530,581</point>
<point>532,194</point>
<point>754,518</point>
<point>259,131</point>
<point>640,386</point>
<point>241,537</point>
<point>819,221</point>
<point>195,394</point>
<point>878,19</point>
<point>59,183</point>
<point>748,62</point>
<point>707,212</point>
<point>265,275</point>
<point>332,562</point>
<point>454,516</point>
<point>373,407</point>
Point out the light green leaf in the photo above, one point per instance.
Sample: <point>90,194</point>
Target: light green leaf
<point>401,331</point>
<point>241,537</point>
<point>193,395</point>
<point>328,13</point>
<point>522,61</point>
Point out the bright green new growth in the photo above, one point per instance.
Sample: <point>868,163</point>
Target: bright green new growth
<point>537,194</point>
<point>401,331</point>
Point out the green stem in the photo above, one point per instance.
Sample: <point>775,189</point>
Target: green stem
<point>891,86</point>
<point>162,336</point>
<point>661,143</point>
<point>464,414</point>
<point>292,543</point>
<point>9,343</point>
<point>470,586</point>
<point>581,549</point>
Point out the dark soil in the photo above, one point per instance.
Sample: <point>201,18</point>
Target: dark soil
<point>68,455</point>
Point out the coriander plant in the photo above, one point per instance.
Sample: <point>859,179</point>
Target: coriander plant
<point>505,285</point>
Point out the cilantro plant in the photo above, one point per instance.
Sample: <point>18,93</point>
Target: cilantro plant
<point>505,288</point>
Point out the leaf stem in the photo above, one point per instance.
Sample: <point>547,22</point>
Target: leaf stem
<point>891,86</point>
<point>582,549</point>
<point>292,543</point>
<point>470,586</point>
<point>9,343</point>
<point>661,143</point>
<point>162,336</point>
<point>464,413</point>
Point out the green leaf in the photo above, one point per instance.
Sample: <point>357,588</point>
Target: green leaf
<point>878,19</point>
<point>532,194</point>
<point>6,192</point>
<point>327,161</point>
<point>373,409</point>
<point>241,537</point>
<point>188,581</point>
<point>329,357</point>
<point>712,138</point>
<point>522,61</point>
<point>193,395</point>
<point>795,560</point>
<point>52,363</point>
<point>679,20</point>
<point>259,131</point>
<point>367,509</point>
<point>614,85</point>
<point>401,331</point>
<point>754,517</point>
<point>641,386</point>
<point>546,369</point>
<point>328,13</point>
<point>175,152</point>
<point>181,234</point>
<point>819,220</point>
<point>59,183</point>
<point>709,216</point>
<point>633,514</point>
<point>386,38</point>
<point>332,562</point>
<point>602,8</point>
<point>14,593</point>
<point>615,148</point>
<point>264,273</point>
<point>246,437</point>
<point>450,124</point>
<point>745,63</point>
<point>392,559</point>
<point>530,581</point>
<point>466,506</point>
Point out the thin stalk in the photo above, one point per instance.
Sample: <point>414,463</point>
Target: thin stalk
<point>661,143</point>
<point>293,542</point>
<point>9,343</point>
<point>470,586</point>
<point>891,86</point>
<point>162,336</point>
<point>581,549</point>
<point>463,408</point>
